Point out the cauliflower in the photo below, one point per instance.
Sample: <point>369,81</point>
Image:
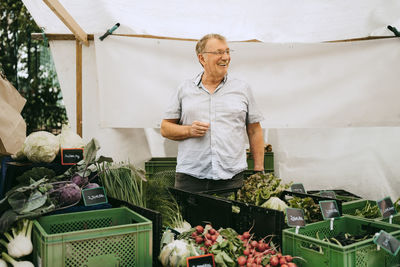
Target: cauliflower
<point>41,147</point>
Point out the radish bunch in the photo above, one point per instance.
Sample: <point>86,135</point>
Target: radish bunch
<point>260,253</point>
<point>205,237</point>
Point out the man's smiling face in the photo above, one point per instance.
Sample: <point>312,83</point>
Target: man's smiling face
<point>216,58</point>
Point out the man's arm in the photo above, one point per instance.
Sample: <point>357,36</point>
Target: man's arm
<point>172,130</point>
<point>256,140</point>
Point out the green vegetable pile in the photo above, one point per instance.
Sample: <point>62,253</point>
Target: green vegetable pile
<point>312,212</point>
<point>370,211</point>
<point>341,239</point>
<point>259,187</point>
<point>125,182</point>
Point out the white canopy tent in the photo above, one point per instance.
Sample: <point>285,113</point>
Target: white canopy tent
<point>331,108</point>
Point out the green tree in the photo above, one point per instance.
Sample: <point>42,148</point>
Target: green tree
<point>27,65</point>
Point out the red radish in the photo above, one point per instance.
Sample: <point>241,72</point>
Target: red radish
<point>258,260</point>
<point>246,235</point>
<point>288,258</point>
<point>240,237</point>
<point>194,234</point>
<point>208,243</point>
<point>199,229</point>
<point>268,265</point>
<point>246,252</point>
<point>203,249</point>
<point>284,265</point>
<point>261,247</point>
<point>282,261</point>
<point>212,231</point>
<point>214,238</point>
<point>208,236</point>
<point>241,260</point>
<point>279,255</point>
<point>291,264</point>
<point>250,260</point>
<point>272,252</point>
<point>199,239</point>
<point>254,243</point>
<point>274,261</point>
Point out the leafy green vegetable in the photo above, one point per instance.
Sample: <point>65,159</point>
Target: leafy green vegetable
<point>35,174</point>
<point>312,212</point>
<point>259,187</point>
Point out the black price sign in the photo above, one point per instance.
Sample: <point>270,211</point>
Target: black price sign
<point>295,217</point>
<point>94,196</point>
<point>201,261</point>
<point>71,156</point>
<point>387,242</point>
<point>329,209</point>
<point>298,188</point>
<point>327,193</point>
<point>386,207</point>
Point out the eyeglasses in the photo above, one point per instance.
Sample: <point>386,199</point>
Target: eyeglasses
<point>220,52</point>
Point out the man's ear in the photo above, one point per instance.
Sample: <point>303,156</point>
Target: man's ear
<point>201,59</point>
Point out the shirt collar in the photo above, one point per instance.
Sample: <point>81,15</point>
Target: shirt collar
<point>197,79</point>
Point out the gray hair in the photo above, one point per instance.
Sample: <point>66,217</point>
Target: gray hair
<point>201,44</point>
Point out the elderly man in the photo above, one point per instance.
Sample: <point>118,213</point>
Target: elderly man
<point>212,116</point>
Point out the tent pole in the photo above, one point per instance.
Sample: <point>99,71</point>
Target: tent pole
<point>78,87</point>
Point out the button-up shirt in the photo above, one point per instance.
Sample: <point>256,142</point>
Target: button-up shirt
<point>221,153</point>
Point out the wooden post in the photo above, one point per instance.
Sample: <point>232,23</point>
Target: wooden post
<point>78,87</point>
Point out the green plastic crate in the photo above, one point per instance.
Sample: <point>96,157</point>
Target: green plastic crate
<point>156,165</point>
<point>360,254</point>
<point>349,208</point>
<point>395,219</point>
<point>268,161</point>
<point>109,237</point>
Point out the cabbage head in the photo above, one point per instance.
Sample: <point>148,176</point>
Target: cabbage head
<point>69,139</point>
<point>41,147</point>
<point>275,203</point>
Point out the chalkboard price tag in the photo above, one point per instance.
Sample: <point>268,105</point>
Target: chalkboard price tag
<point>387,242</point>
<point>206,260</point>
<point>327,193</point>
<point>295,217</point>
<point>298,188</point>
<point>386,207</point>
<point>71,156</point>
<point>329,209</point>
<point>94,196</point>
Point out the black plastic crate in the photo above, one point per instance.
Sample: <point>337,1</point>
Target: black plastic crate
<point>342,195</point>
<point>201,208</point>
<point>152,215</point>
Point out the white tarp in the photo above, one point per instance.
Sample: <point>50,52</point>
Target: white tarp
<point>296,85</point>
<point>361,160</point>
<point>265,20</point>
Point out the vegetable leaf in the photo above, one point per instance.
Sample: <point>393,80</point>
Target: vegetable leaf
<point>90,151</point>
<point>36,200</point>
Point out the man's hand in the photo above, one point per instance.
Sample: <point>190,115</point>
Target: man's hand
<point>198,129</point>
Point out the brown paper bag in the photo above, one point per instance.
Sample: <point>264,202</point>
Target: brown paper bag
<point>11,95</point>
<point>12,125</point>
